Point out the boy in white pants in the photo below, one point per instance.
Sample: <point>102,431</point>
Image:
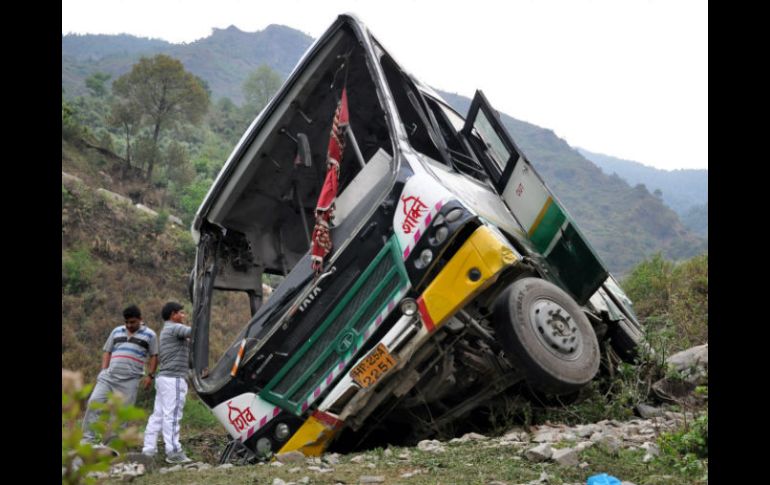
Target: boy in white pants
<point>170,386</point>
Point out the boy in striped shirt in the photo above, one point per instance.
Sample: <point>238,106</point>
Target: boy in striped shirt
<point>126,352</point>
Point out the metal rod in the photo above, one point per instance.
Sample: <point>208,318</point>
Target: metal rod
<point>352,138</point>
<point>307,118</point>
<point>302,214</point>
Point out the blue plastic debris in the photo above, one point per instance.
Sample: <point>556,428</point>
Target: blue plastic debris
<point>602,479</point>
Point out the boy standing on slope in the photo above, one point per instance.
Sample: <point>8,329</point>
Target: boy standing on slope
<point>170,386</point>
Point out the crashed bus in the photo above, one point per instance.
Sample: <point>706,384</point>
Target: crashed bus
<point>428,269</point>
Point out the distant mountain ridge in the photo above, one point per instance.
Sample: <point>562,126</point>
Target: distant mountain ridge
<point>623,223</point>
<point>223,59</point>
<point>682,188</point>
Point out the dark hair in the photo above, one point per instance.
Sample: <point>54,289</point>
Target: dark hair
<point>132,311</point>
<point>170,308</point>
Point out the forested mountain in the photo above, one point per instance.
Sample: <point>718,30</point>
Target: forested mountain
<point>681,189</point>
<point>223,59</point>
<point>623,223</point>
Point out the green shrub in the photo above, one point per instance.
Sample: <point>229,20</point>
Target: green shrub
<point>671,299</point>
<point>80,459</point>
<point>78,270</point>
<point>159,225</point>
<point>687,449</point>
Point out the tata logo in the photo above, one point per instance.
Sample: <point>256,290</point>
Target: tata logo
<point>346,341</point>
<point>309,299</point>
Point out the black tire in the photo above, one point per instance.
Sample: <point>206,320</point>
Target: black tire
<point>547,336</point>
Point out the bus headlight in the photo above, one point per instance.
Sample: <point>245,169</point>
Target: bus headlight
<point>264,446</point>
<point>408,307</point>
<point>454,214</point>
<point>440,235</point>
<point>282,431</point>
<point>426,256</point>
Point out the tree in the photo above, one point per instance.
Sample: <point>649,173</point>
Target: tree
<point>259,88</point>
<point>165,93</point>
<point>95,83</point>
<point>128,117</point>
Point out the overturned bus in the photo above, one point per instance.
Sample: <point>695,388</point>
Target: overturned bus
<point>428,269</point>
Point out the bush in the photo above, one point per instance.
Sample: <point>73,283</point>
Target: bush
<point>159,225</point>
<point>77,271</point>
<point>78,459</point>
<point>671,299</point>
<point>688,448</point>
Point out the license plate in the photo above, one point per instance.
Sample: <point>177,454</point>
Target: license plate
<point>373,367</point>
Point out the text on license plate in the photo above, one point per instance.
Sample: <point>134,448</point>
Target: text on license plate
<point>373,366</point>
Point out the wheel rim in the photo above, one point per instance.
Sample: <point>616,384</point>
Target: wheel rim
<point>556,329</point>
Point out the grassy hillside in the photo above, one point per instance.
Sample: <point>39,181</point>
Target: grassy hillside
<point>672,300</point>
<point>114,255</point>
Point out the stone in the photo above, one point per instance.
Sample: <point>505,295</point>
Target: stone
<point>331,458</point>
<point>290,457</point>
<point>70,178</point>
<point>318,469</point>
<point>276,463</point>
<point>497,482</point>
<point>583,445</point>
<point>358,459</point>
<point>584,431</point>
<point>647,458</point>
<point>371,479</point>
<point>174,468</point>
<point>565,456</point>
<point>546,437</point>
<point>692,364</point>
<point>225,466</point>
<point>650,448</point>
<point>411,473</point>
<point>113,196</point>
<point>295,469</point>
<point>515,436</point>
<point>404,456</point>
<point>146,210</point>
<point>278,481</point>
<point>304,480</point>
<point>539,453</point>
<point>388,452</point>
<point>611,444</point>
<point>431,446</point>
<point>175,220</point>
<point>474,437</point>
<point>646,411</point>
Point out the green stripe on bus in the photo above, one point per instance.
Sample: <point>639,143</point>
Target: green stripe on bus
<point>548,228</point>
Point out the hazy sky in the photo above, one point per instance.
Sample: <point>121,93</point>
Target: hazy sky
<point>628,78</point>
